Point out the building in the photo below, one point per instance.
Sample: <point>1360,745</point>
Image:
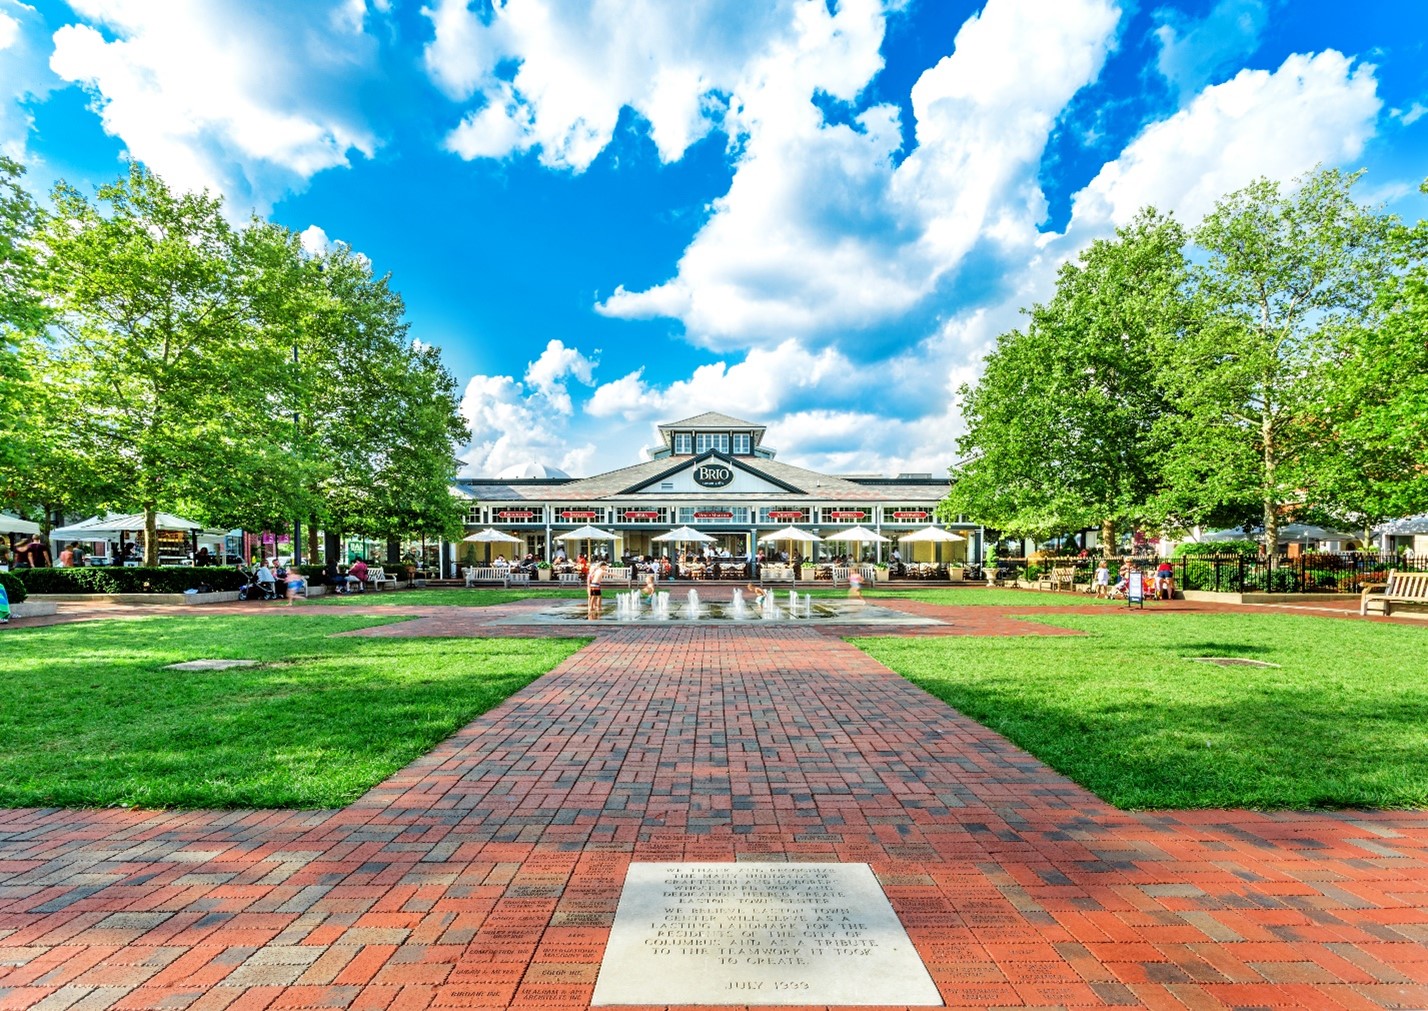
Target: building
<point>713,473</point>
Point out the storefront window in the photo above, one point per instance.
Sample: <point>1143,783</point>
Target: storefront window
<point>580,514</point>
<point>907,514</point>
<point>846,514</point>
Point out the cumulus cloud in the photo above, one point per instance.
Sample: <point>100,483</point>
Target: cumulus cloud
<point>547,374</point>
<point>248,98</point>
<point>511,426</point>
<point>1313,109</point>
<point>581,63</point>
<point>1192,52</point>
<point>823,231</point>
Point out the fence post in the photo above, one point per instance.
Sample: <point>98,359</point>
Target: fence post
<point>1241,587</point>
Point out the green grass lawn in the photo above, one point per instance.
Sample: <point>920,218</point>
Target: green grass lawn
<point>455,596</point>
<point>89,717</point>
<point>1342,722</point>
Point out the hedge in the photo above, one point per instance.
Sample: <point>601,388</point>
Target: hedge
<point>122,579</point>
<point>1250,548</point>
<point>14,589</point>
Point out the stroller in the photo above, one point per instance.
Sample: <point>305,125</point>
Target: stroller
<point>254,590</point>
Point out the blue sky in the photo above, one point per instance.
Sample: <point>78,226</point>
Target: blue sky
<point>812,213</point>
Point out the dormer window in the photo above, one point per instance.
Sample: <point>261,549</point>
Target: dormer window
<point>683,444</point>
<point>742,444</point>
<point>705,441</point>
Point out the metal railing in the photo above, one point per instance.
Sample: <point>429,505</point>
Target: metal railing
<point>1312,572</point>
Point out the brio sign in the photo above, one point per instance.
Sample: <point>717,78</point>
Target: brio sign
<point>713,475</point>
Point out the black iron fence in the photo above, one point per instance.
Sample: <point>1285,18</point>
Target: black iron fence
<point>1314,572</point>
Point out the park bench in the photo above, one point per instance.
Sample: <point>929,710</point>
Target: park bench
<point>1401,588</point>
<point>570,578</point>
<point>1062,577</point>
<point>379,580</point>
<point>478,574</point>
<point>775,573</point>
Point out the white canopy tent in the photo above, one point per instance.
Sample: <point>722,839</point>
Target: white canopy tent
<point>101,526</point>
<point>14,525</point>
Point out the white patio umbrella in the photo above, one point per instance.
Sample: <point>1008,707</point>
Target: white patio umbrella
<point>934,535</point>
<point>858,535</point>
<point>488,537</point>
<point>684,535</point>
<point>791,534</point>
<point>586,533</point>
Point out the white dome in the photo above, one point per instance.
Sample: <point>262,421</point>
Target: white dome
<point>532,469</point>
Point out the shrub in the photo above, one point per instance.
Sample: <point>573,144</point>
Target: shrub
<point>120,579</point>
<point>14,589</point>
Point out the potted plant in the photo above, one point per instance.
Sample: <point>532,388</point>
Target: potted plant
<point>543,571</point>
<point>989,566</point>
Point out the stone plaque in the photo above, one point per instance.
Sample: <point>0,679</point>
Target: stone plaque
<point>722,933</point>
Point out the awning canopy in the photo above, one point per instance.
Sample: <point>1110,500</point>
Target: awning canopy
<point>684,535</point>
<point>931,534</point>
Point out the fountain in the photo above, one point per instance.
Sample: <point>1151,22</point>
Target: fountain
<point>659,605</point>
<point>736,607</point>
<point>627,606</point>
<point>691,609</point>
<point>770,607</point>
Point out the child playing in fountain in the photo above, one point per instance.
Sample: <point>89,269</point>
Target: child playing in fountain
<point>649,589</point>
<point>757,592</point>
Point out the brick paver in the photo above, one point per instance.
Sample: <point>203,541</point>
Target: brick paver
<point>487,873</point>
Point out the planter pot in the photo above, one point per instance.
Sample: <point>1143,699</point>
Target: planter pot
<point>543,575</point>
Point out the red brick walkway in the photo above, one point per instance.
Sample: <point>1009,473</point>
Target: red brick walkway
<point>487,873</point>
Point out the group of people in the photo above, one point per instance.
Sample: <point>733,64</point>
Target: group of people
<point>265,578</point>
<point>1162,581</point>
<point>33,554</point>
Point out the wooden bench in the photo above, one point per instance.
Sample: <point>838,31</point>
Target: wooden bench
<point>1063,577</point>
<point>1401,588</point>
<point>570,579</point>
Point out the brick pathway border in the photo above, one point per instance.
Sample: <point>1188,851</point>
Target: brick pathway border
<point>486,873</point>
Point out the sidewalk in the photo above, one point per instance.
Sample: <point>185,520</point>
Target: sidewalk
<point>487,873</point>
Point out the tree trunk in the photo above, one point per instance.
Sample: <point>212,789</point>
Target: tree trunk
<point>312,540</point>
<point>1108,538</point>
<point>332,548</point>
<point>151,534</point>
<point>1271,503</point>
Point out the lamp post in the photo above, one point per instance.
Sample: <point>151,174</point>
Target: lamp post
<point>297,521</point>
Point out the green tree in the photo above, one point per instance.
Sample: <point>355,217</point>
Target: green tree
<point>1282,279</point>
<point>1059,426</point>
<point>1378,398</point>
<point>160,364</point>
<point>22,315</point>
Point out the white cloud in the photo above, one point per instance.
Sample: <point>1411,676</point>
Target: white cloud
<point>24,75</point>
<point>1414,113</point>
<point>1313,109</point>
<point>582,62</point>
<point>249,99</point>
<point>1191,53</point>
<point>821,233</point>
<point>314,240</point>
<point>510,427</point>
<point>546,375</point>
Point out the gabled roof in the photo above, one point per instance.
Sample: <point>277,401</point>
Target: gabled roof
<point>711,419</point>
<point>740,463</point>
